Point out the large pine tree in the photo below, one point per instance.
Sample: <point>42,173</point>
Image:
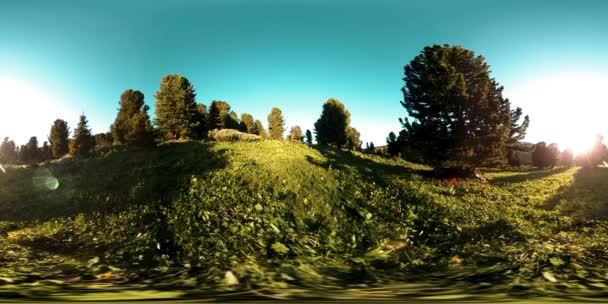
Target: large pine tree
<point>83,142</point>
<point>331,127</point>
<point>457,117</point>
<point>176,112</point>
<point>276,124</point>
<point>132,124</point>
<point>59,138</point>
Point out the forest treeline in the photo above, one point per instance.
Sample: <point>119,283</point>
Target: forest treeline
<point>457,121</point>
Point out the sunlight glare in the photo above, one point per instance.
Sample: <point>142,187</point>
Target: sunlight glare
<point>567,108</point>
<point>26,111</point>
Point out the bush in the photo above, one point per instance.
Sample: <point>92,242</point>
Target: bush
<point>232,135</point>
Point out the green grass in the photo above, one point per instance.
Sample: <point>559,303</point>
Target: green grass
<point>293,221</point>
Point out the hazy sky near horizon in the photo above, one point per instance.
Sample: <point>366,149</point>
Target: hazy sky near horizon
<point>61,58</point>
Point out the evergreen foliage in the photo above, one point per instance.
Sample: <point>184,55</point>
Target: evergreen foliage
<point>83,142</point>
<point>308,137</point>
<point>259,129</point>
<point>331,127</point>
<point>567,158</point>
<point>276,124</point>
<point>58,138</point>
<point>132,124</point>
<point>457,117</point>
<point>103,140</point>
<point>353,141</point>
<point>176,111</point>
<point>393,146</point>
<point>516,134</point>
<point>544,156</point>
<point>8,152</point>
<point>295,134</point>
<point>247,124</point>
<point>219,115</point>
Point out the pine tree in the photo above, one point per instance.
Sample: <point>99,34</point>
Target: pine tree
<point>544,156</point>
<point>219,115</point>
<point>516,134</point>
<point>232,121</point>
<point>371,148</point>
<point>259,129</point>
<point>29,153</point>
<point>458,119</point>
<point>598,152</point>
<point>353,141</point>
<point>276,124</point>
<point>552,155</point>
<point>331,127</point>
<point>45,152</point>
<point>176,111</point>
<point>203,118</point>
<point>247,124</point>
<point>567,158</point>
<point>393,145</point>
<point>308,137</point>
<point>83,142</point>
<point>8,153</point>
<point>132,124</point>
<point>103,140</point>
<point>295,134</point>
<point>58,138</point>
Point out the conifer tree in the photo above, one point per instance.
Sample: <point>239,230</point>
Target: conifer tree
<point>232,121</point>
<point>219,115</point>
<point>457,117</point>
<point>176,111</point>
<point>132,124</point>
<point>353,141</point>
<point>58,138</point>
<point>103,140</point>
<point>567,158</point>
<point>8,153</point>
<point>83,142</point>
<point>259,129</point>
<point>331,127</point>
<point>295,134</point>
<point>247,124</point>
<point>203,118</point>
<point>276,124</point>
<point>393,146</point>
<point>308,137</point>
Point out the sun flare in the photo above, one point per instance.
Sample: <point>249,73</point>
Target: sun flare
<point>26,110</point>
<point>567,108</point>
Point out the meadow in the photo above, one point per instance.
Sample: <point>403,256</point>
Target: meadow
<point>282,220</point>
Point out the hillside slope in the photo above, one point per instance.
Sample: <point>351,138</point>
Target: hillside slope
<point>296,221</point>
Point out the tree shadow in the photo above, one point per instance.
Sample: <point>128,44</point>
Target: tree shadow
<point>346,160</point>
<point>524,177</point>
<point>118,178</point>
<point>586,198</point>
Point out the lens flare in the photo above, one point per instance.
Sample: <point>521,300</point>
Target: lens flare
<point>43,179</point>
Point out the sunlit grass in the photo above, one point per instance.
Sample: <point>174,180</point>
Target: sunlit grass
<point>511,233</point>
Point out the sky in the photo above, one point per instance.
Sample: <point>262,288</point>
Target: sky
<point>62,58</point>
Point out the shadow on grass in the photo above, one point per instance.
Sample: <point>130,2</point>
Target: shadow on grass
<point>118,178</point>
<point>533,175</point>
<point>366,168</point>
<point>586,198</point>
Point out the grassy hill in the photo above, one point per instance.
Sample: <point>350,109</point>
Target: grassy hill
<point>284,220</point>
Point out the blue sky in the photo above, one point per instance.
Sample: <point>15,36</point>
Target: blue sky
<point>79,56</point>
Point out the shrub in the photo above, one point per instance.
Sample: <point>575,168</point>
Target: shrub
<point>232,135</point>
